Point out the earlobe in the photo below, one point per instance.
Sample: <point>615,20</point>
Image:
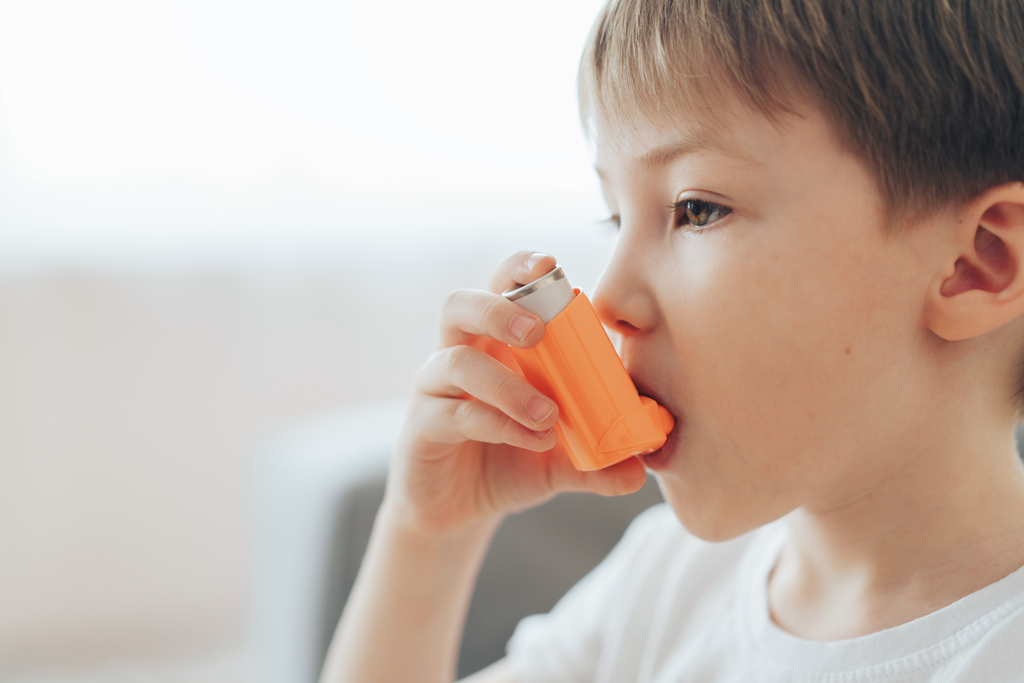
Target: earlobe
<point>981,286</point>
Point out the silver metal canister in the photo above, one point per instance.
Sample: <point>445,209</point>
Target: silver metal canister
<point>546,296</point>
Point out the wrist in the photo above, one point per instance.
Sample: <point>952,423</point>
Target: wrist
<point>411,594</point>
<point>402,522</point>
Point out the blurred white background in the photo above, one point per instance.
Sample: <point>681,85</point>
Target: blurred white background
<point>216,216</point>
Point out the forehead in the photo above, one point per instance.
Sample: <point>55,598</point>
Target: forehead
<point>748,161</point>
<point>647,144</point>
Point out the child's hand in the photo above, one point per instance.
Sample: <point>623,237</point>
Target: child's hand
<point>478,441</point>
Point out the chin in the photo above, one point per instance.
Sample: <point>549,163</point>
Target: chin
<point>712,521</point>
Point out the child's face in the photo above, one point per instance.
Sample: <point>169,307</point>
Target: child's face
<point>785,335</point>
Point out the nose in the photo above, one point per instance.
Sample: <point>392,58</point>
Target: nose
<point>623,297</point>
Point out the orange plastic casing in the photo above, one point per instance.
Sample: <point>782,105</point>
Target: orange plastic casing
<point>602,419</point>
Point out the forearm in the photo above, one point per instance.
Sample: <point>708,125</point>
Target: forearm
<point>405,615</point>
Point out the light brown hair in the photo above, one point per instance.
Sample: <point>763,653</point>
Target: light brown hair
<point>928,93</point>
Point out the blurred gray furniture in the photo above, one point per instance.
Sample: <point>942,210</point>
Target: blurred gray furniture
<point>318,484</point>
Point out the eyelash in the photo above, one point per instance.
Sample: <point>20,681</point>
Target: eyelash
<point>680,208</point>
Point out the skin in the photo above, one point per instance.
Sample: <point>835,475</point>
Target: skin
<point>460,465</point>
<point>819,365</point>
<point>823,365</point>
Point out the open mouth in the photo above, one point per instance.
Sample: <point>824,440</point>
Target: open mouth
<point>660,458</point>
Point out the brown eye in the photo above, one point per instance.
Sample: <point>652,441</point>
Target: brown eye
<point>699,213</point>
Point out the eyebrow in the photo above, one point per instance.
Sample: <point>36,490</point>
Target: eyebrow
<point>669,152</point>
<point>665,154</point>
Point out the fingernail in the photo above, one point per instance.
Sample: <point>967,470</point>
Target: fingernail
<point>521,326</point>
<point>532,261</point>
<point>539,408</point>
<point>543,435</point>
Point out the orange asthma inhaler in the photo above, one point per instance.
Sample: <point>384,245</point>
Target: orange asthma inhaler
<point>602,419</point>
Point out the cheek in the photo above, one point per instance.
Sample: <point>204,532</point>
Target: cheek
<point>777,355</point>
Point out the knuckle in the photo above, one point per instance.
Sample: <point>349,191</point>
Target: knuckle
<point>462,413</point>
<point>455,359</point>
<point>449,312</point>
<point>451,301</point>
<point>507,388</point>
<point>425,366</point>
<point>507,427</point>
<point>420,378</point>
<point>490,314</point>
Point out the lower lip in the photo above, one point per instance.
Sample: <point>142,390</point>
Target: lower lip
<point>662,458</point>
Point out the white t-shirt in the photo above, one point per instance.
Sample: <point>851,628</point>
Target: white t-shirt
<point>665,606</point>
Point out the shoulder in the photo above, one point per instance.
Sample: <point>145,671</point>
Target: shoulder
<point>989,631</point>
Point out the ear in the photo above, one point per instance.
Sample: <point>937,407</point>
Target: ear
<point>981,286</point>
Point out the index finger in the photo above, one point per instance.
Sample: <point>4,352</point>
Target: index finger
<point>521,268</point>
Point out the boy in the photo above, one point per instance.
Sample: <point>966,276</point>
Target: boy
<point>820,272</point>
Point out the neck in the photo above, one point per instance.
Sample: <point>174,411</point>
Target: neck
<point>934,527</point>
